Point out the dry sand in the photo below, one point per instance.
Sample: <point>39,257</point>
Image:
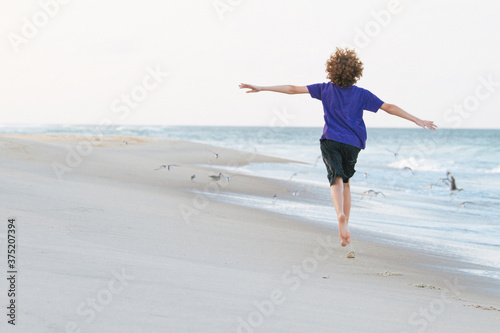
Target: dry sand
<point>108,244</point>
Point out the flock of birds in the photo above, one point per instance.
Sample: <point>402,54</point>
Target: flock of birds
<point>449,180</point>
<point>220,176</point>
<point>213,178</point>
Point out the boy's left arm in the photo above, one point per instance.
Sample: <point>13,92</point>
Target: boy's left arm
<point>397,111</point>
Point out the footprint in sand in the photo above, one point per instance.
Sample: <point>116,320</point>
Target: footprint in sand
<point>423,285</point>
<point>488,308</point>
<point>387,273</point>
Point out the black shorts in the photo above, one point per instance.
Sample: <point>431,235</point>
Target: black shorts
<point>339,158</point>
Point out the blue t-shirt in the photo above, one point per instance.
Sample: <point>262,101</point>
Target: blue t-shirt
<point>344,111</point>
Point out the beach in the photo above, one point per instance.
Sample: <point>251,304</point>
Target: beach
<point>116,235</point>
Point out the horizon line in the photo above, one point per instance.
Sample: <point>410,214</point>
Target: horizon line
<point>31,125</point>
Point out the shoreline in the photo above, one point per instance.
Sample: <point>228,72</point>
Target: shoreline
<point>440,264</point>
<point>196,251</point>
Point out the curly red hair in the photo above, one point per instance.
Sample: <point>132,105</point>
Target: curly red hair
<point>344,67</point>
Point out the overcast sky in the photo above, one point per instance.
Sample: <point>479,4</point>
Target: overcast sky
<point>89,61</point>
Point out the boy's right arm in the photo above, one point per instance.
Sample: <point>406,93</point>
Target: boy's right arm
<point>397,111</point>
<point>285,89</point>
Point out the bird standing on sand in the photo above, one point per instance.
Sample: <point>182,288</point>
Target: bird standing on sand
<point>216,178</point>
<point>193,177</point>
<point>167,167</point>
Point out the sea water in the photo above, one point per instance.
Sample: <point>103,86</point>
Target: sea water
<point>415,207</point>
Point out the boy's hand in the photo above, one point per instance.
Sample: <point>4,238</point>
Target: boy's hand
<point>253,89</point>
<point>426,124</point>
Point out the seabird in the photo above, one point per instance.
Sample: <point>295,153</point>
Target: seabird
<point>443,180</point>
<point>408,168</point>
<point>168,167</point>
<point>452,183</point>
<point>215,154</point>
<point>317,159</point>
<point>462,205</point>
<point>396,153</point>
<point>371,193</point>
<point>294,193</point>
<point>430,186</point>
<point>216,178</point>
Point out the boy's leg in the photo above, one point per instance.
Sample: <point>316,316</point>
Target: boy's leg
<point>337,191</point>
<point>347,204</point>
<point>347,199</point>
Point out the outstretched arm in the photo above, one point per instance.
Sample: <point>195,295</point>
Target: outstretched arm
<point>397,111</point>
<point>286,89</point>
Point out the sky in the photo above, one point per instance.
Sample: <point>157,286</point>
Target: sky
<point>165,62</point>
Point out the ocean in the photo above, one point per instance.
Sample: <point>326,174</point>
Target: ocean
<point>415,207</point>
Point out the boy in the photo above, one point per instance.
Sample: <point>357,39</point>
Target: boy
<point>344,133</point>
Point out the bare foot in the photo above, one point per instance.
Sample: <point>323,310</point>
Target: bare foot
<point>345,235</point>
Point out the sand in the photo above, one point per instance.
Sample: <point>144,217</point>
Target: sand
<point>107,243</point>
